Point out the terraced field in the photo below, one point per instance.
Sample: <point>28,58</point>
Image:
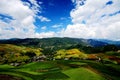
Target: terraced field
<point>61,70</point>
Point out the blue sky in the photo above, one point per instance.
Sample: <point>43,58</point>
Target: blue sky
<point>96,19</point>
<point>57,11</point>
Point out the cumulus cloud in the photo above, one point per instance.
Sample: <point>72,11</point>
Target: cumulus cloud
<point>23,17</point>
<point>94,19</point>
<point>90,19</point>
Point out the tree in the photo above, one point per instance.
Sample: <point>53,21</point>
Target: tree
<point>60,54</point>
<point>109,48</point>
<point>75,53</point>
<point>71,53</point>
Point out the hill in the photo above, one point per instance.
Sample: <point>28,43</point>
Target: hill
<point>49,45</point>
<point>117,43</point>
<point>58,42</point>
<point>11,53</point>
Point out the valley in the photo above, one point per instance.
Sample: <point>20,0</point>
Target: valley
<point>59,59</point>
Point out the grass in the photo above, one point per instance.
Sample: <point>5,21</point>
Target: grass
<point>78,63</point>
<point>114,66</point>
<point>55,76</point>
<point>17,75</point>
<point>6,66</point>
<point>37,66</point>
<point>108,71</point>
<point>62,70</point>
<point>82,74</point>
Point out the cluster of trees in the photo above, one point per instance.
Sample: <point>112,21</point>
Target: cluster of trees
<point>70,54</point>
<point>12,53</point>
<point>90,49</point>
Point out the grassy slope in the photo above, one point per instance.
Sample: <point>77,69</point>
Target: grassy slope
<point>109,72</point>
<point>82,74</point>
<point>61,70</point>
<point>31,71</point>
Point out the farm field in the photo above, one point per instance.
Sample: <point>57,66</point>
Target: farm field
<point>61,70</point>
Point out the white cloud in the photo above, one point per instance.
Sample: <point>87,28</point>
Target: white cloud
<point>93,20</point>
<point>22,25</point>
<point>23,19</point>
<point>57,25</point>
<point>78,31</point>
<point>44,19</point>
<point>45,34</point>
<point>43,28</point>
<point>35,6</point>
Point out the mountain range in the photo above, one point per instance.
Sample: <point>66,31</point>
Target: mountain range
<point>59,42</point>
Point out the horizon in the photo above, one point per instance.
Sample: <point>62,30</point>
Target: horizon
<point>63,37</point>
<point>86,19</point>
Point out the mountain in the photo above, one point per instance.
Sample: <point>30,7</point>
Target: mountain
<point>117,43</point>
<point>96,43</point>
<point>58,43</point>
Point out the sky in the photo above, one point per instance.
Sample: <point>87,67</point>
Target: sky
<point>89,19</point>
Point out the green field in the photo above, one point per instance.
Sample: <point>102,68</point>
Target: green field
<point>82,74</point>
<point>63,70</point>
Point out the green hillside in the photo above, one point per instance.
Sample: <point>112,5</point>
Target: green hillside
<point>62,70</point>
<point>58,59</point>
<point>11,53</point>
